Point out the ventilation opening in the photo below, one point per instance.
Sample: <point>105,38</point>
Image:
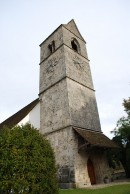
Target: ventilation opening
<point>51,47</point>
<point>74,46</point>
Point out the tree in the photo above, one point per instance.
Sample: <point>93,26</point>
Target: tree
<point>126,105</point>
<point>27,163</point>
<point>122,138</point>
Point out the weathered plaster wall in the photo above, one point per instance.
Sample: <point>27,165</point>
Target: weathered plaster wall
<point>64,143</point>
<point>100,163</point>
<point>55,108</point>
<point>77,68</point>
<point>52,69</point>
<point>67,99</point>
<point>57,36</point>
<point>81,173</point>
<point>67,37</point>
<point>83,107</point>
<point>72,165</point>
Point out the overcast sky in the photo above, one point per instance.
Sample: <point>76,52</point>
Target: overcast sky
<point>104,24</point>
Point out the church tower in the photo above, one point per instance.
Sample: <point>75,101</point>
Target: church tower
<point>68,110</point>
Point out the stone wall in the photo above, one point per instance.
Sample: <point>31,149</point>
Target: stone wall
<point>83,107</point>
<point>56,36</point>
<point>71,164</point>
<point>64,143</point>
<point>81,174</point>
<point>77,68</point>
<point>67,99</point>
<point>54,108</point>
<point>67,37</point>
<point>98,157</point>
<point>53,69</point>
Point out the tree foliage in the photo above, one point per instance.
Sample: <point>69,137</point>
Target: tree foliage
<point>122,138</point>
<point>27,163</point>
<point>126,104</point>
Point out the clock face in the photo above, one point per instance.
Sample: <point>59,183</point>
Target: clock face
<point>78,63</point>
<point>52,69</point>
<point>51,65</point>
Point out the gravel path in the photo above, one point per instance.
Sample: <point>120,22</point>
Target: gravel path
<point>117,182</point>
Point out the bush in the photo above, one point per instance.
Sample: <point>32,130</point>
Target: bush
<point>27,163</point>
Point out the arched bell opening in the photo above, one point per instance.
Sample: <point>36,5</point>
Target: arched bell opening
<point>75,45</point>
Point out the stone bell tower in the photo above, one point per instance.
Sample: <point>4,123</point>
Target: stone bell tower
<point>67,102</point>
<point>66,88</point>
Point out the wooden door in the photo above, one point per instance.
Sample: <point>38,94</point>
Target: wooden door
<point>91,172</point>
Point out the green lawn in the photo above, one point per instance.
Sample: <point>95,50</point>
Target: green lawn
<point>116,189</point>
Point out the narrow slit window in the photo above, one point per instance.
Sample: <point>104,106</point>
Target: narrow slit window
<point>51,47</point>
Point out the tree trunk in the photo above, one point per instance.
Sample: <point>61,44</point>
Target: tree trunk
<point>127,171</point>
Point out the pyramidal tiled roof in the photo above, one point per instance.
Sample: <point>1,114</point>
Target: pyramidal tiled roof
<point>71,26</point>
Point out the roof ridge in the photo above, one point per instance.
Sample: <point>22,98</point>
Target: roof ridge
<point>18,116</point>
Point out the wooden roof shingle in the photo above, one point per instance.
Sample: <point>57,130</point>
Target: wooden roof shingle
<point>96,138</point>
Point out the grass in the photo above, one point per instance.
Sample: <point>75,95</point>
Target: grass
<point>116,189</point>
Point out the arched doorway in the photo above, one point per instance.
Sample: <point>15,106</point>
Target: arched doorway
<point>91,172</point>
